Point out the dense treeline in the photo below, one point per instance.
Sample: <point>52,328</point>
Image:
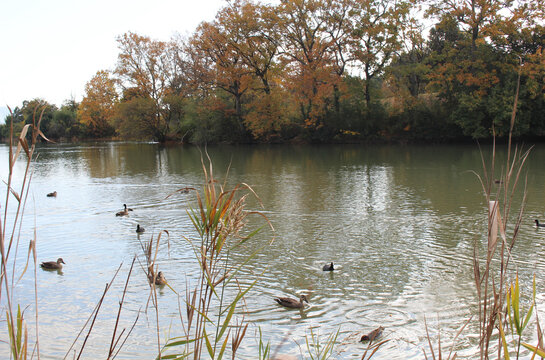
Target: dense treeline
<point>321,71</point>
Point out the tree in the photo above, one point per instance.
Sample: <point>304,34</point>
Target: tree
<point>219,65</point>
<point>65,123</point>
<point>16,116</point>
<point>132,117</point>
<point>149,68</point>
<point>308,56</point>
<point>487,18</point>
<point>475,85</point>
<point>377,25</point>
<point>338,27</point>
<point>97,109</point>
<point>252,31</point>
<point>33,109</point>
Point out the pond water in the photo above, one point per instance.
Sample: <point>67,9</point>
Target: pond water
<point>399,223</point>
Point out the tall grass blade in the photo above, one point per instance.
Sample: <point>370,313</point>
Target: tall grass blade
<point>223,347</point>
<point>503,339</point>
<point>208,344</point>
<point>534,349</point>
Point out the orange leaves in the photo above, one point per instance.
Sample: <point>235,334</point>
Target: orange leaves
<point>98,105</point>
<point>146,64</point>
<point>268,115</point>
<point>150,69</point>
<point>308,57</point>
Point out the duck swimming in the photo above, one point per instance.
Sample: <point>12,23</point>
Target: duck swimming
<point>53,265</point>
<point>292,303</point>
<point>373,334</point>
<point>538,224</point>
<point>139,229</point>
<point>124,212</point>
<point>53,194</point>
<point>328,267</point>
<point>160,279</point>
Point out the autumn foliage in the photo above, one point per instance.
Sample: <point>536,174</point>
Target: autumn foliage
<point>328,71</point>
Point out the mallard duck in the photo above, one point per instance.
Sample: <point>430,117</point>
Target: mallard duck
<point>292,303</point>
<point>538,224</point>
<point>139,229</point>
<point>53,265</point>
<point>373,334</point>
<point>160,279</point>
<point>328,267</point>
<point>124,212</point>
<point>53,194</point>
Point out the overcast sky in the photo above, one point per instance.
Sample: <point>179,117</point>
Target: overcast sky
<point>51,48</point>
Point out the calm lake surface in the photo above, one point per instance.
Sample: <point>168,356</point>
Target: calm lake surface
<point>400,223</point>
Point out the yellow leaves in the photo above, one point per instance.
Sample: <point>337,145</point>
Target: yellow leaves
<point>97,108</point>
<point>268,114</point>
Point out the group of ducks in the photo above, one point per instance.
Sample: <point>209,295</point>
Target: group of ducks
<point>160,278</point>
<point>125,212</point>
<point>57,265</point>
<point>293,303</point>
<point>299,304</point>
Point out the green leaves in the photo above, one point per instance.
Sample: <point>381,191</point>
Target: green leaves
<point>516,316</point>
<point>18,343</point>
<point>319,351</point>
<point>517,319</point>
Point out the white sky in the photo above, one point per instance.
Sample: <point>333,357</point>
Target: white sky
<point>50,49</point>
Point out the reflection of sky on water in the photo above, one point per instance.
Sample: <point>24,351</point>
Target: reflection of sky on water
<point>399,223</point>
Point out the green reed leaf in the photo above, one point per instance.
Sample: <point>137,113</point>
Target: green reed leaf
<point>504,341</point>
<point>534,349</point>
<point>208,344</point>
<point>223,347</point>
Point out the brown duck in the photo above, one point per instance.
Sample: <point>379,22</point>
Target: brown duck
<point>160,279</point>
<point>373,334</point>
<point>53,265</point>
<point>124,212</point>
<point>53,194</point>
<point>292,303</point>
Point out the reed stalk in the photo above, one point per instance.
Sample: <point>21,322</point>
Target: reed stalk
<point>211,323</point>
<point>10,230</point>
<point>498,304</point>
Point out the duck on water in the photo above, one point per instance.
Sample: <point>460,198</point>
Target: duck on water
<point>292,303</point>
<point>124,212</point>
<point>53,265</point>
<point>328,267</point>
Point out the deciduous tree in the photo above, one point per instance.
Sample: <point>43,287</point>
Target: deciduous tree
<point>308,55</point>
<point>97,107</point>
<point>378,25</point>
<point>148,66</point>
<point>219,65</point>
